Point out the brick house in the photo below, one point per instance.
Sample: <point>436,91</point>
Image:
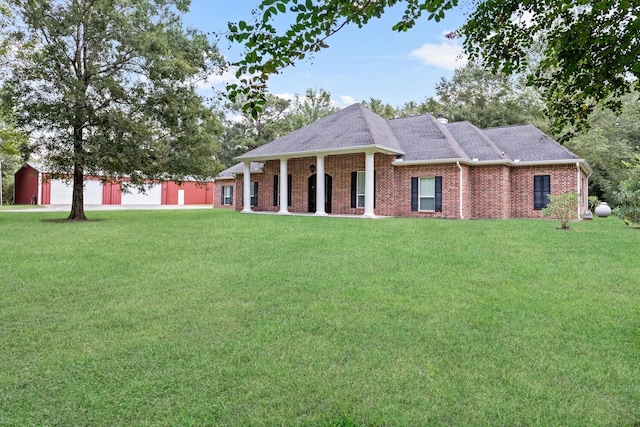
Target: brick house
<point>362,164</point>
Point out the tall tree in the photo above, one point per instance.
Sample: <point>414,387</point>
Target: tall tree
<point>380,108</point>
<point>245,131</point>
<point>589,50</point>
<point>488,99</point>
<point>609,145</point>
<point>108,87</point>
<point>314,105</point>
<point>428,106</point>
<point>590,53</point>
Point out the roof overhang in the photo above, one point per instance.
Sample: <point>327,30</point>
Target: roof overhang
<point>252,171</point>
<point>507,162</point>
<point>321,153</point>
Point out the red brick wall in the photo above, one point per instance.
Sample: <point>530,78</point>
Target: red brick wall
<point>238,190</point>
<point>450,190</point>
<point>490,192</point>
<point>217,192</point>
<point>563,179</point>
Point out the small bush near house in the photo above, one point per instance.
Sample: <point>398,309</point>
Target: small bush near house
<point>562,207</point>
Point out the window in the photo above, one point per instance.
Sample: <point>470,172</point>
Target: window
<point>541,191</point>
<point>360,190</point>
<point>276,190</point>
<point>426,194</point>
<point>226,198</point>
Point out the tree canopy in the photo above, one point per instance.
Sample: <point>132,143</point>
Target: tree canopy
<point>488,99</point>
<point>279,116</point>
<point>107,87</point>
<point>589,52</point>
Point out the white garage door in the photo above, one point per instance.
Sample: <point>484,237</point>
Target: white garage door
<point>61,192</point>
<point>152,197</point>
<point>92,192</point>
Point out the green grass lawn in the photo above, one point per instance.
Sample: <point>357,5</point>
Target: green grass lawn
<point>211,317</point>
<point>19,207</point>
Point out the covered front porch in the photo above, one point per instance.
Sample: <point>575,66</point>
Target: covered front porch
<point>323,184</point>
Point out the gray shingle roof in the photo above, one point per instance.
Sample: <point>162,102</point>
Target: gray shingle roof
<point>475,143</point>
<point>424,137</point>
<point>528,143</point>
<point>351,127</point>
<point>239,169</point>
<point>414,139</point>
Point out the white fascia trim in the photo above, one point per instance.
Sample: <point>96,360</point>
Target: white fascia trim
<point>251,172</point>
<point>328,152</point>
<point>400,162</point>
<point>582,162</point>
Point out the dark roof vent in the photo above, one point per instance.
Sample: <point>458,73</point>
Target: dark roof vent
<point>442,119</point>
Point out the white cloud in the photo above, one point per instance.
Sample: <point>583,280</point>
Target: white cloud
<point>344,101</point>
<point>229,76</point>
<point>447,55</point>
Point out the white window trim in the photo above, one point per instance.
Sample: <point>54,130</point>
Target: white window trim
<point>431,183</point>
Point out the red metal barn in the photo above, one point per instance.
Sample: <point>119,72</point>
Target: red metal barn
<point>187,193</point>
<point>27,185</point>
<point>33,186</point>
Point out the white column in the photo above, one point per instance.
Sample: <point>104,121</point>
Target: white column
<point>320,190</point>
<point>246,188</point>
<point>368,189</point>
<point>284,184</point>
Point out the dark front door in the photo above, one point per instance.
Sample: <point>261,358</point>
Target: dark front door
<point>328,182</point>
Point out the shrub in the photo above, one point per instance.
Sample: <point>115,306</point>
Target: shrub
<point>627,198</point>
<point>593,202</point>
<point>627,203</point>
<point>562,207</point>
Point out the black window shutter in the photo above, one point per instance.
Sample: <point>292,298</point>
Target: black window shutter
<point>222,195</point>
<point>275,190</point>
<point>414,194</point>
<point>255,193</point>
<point>438,193</point>
<point>289,192</point>
<point>231,194</point>
<point>354,189</point>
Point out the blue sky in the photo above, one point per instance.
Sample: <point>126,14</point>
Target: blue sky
<point>372,62</point>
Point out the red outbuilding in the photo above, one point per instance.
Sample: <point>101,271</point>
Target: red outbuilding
<point>33,185</point>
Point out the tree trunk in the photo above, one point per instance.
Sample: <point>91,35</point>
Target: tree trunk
<point>77,200</point>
